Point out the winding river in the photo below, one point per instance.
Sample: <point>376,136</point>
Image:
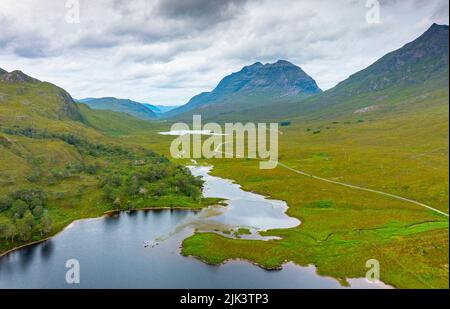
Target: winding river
<point>142,249</point>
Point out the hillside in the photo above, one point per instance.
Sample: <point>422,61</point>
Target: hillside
<point>24,98</point>
<point>127,106</point>
<point>254,85</point>
<point>59,162</point>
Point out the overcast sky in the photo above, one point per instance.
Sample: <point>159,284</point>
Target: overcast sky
<point>166,51</point>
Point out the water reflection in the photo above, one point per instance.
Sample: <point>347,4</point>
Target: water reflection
<point>47,249</point>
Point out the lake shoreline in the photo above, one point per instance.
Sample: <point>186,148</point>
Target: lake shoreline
<point>104,214</point>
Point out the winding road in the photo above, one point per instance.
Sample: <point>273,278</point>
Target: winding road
<point>350,185</point>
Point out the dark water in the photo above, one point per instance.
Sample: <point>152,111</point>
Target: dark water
<point>111,253</point>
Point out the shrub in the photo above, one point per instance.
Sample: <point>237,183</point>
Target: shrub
<point>27,195</point>
<point>5,203</point>
<point>38,211</point>
<point>321,204</point>
<point>36,202</point>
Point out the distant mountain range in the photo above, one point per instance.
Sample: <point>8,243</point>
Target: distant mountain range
<point>285,90</point>
<point>418,68</point>
<point>160,109</point>
<point>132,108</point>
<point>139,110</point>
<point>255,85</point>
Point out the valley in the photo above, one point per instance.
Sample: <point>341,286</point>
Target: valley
<point>357,165</point>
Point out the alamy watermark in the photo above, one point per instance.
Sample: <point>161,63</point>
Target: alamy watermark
<point>234,140</point>
<point>73,274</point>
<point>373,274</point>
<point>73,11</point>
<point>373,12</point>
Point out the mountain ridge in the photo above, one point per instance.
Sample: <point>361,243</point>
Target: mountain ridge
<point>257,85</point>
<point>16,77</point>
<point>409,64</point>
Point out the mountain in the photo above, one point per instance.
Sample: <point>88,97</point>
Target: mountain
<point>34,99</point>
<point>160,109</point>
<point>412,73</point>
<point>2,72</point>
<point>132,108</point>
<point>255,85</point>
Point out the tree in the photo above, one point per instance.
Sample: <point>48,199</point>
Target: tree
<point>45,225</point>
<point>23,230</point>
<point>29,219</point>
<point>7,231</point>
<point>19,208</point>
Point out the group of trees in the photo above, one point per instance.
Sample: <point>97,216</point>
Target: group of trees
<point>152,180</point>
<point>27,215</point>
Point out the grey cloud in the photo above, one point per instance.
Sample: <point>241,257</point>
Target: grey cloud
<point>165,51</point>
<point>215,10</point>
<point>440,12</point>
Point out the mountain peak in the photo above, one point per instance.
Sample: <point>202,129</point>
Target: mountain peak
<point>282,78</point>
<point>3,72</point>
<point>17,77</point>
<point>439,32</point>
<point>253,85</point>
<point>283,63</point>
<point>438,27</point>
<point>255,65</point>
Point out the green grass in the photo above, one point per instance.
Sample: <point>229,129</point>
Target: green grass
<point>243,231</point>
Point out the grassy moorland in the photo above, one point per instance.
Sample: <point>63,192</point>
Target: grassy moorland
<point>403,153</point>
<point>385,128</point>
<point>400,148</point>
<point>60,162</point>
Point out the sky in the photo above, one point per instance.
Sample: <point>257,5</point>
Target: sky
<point>166,51</point>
